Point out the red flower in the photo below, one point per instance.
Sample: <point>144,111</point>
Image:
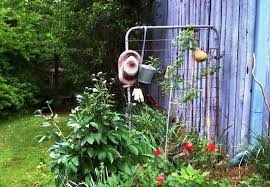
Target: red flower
<point>160,179</point>
<point>211,147</point>
<point>157,152</point>
<point>188,147</point>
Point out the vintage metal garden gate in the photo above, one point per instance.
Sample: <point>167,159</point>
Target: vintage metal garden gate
<point>158,42</point>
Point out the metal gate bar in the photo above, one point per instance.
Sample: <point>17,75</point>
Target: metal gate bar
<point>194,112</point>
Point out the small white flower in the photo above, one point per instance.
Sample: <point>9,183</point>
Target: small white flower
<point>138,95</point>
<point>79,98</point>
<point>95,90</point>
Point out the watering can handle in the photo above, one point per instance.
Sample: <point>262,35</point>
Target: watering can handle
<point>143,47</point>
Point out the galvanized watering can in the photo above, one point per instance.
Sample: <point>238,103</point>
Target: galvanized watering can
<point>146,73</point>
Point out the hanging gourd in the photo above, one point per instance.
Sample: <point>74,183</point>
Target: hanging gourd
<point>200,55</point>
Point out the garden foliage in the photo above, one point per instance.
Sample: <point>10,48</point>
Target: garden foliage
<point>14,95</point>
<point>259,155</point>
<point>25,43</point>
<point>99,137</point>
<point>79,36</point>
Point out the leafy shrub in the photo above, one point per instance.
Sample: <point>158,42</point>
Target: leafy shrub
<point>150,122</point>
<point>188,148</point>
<point>96,43</point>
<point>255,180</point>
<point>99,137</point>
<point>14,95</point>
<point>188,176</point>
<point>148,176</point>
<point>259,155</point>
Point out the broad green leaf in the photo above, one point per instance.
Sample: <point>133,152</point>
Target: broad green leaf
<point>73,167</point>
<point>97,137</point>
<point>93,124</point>
<point>90,152</point>
<point>75,160</point>
<point>118,136</point>
<point>102,155</point>
<point>112,138</point>
<point>90,139</point>
<point>127,170</point>
<point>115,152</point>
<point>133,149</point>
<point>110,157</point>
<point>54,155</point>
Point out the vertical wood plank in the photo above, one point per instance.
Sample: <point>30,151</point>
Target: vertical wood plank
<point>242,59</point>
<point>236,22</point>
<point>233,76</point>
<point>262,66</point>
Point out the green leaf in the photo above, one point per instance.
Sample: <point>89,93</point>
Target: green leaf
<point>112,138</point>
<point>90,152</point>
<point>110,157</point>
<point>74,125</point>
<point>118,136</point>
<point>42,139</point>
<point>127,170</point>
<point>115,119</point>
<point>90,139</point>
<point>73,167</point>
<point>93,124</point>
<point>115,152</point>
<point>83,141</point>
<point>102,155</point>
<point>149,155</point>
<point>75,160</point>
<point>46,124</point>
<point>126,138</point>
<point>54,155</point>
<point>133,149</point>
<point>97,137</point>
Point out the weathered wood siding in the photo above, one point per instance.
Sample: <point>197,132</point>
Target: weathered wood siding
<point>235,20</point>
<point>259,115</point>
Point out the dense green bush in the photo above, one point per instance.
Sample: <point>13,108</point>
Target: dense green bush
<point>92,34</point>
<point>151,122</point>
<point>14,95</point>
<point>78,36</point>
<point>99,137</point>
<point>25,44</point>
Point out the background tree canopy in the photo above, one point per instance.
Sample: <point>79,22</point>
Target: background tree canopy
<point>50,48</point>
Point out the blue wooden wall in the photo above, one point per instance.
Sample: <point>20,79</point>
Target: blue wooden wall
<point>259,114</point>
<point>244,27</point>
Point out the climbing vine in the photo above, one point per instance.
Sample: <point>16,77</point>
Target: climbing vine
<point>174,79</point>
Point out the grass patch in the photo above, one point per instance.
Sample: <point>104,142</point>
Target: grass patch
<point>24,161</point>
